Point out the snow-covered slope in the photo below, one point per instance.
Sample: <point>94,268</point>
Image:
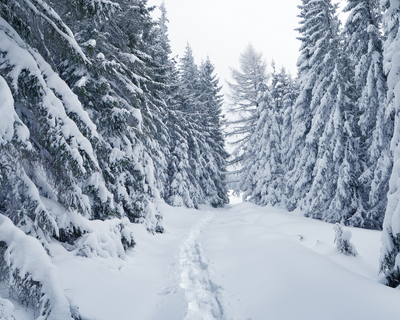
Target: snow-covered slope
<point>240,262</point>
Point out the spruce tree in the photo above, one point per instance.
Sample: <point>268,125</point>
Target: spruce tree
<point>181,188</point>
<point>56,159</point>
<point>319,35</point>
<point>334,193</point>
<point>215,155</point>
<point>261,180</point>
<point>290,94</point>
<point>197,157</point>
<point>389,260</point>
<point>184,168</point>
<point>365,48</point>
<point>120,88</point>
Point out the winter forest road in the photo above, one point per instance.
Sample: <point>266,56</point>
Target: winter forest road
<point>237,263</point>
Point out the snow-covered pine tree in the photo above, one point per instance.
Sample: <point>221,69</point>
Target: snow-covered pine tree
<point>189,84</point>
<point>183,185</point>
<point>244,103</point>
<point>215,155</point>
<point>197,157</point>
<point>287,114</point>
<point>47,156</point>
<point>334,195</point>
<point>365,47</point>
<point>261,179</point>
<point>319,35</point>
<point>390,251</point>
<point>284,93</point>
<point>181,188</point>
<point>53,159</point>
<point>279,86</point>
<point>120,89</point>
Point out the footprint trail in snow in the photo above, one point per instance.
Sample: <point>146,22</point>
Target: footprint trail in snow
<point>201,293</point>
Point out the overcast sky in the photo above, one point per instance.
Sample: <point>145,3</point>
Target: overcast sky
<point>222,29</point>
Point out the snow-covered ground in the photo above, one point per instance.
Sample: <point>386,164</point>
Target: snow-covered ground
<point>241,262</point>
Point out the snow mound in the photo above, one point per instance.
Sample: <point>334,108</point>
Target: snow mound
<point>30,275</point>
<point>91,238</point>
<point>6,309</point>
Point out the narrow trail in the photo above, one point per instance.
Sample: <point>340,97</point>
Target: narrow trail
<point>203,296</point>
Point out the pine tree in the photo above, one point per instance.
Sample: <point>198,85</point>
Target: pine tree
<point>261,180</point>
<point>211,101</point>
<point>121,89</point>
<point>391,229</point>
<point>184,169</point>
<point>334,193</point>
<point>56,159</point>
<point>197,163</point>
<point>287,114</point>
<point>319,36</point>
<point>181,186</point>
<point>364,46</point>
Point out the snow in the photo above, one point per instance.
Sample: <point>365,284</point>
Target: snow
<point>6,309</point>
<point>26,254</point>
<point>239,262</point>
<point>99,239</point>
<point>131,57</point>
<point>6,111</point>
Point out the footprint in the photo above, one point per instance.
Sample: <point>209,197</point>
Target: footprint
<point>164,293</point>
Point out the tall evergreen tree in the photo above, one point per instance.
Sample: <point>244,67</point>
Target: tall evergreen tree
<point>120,88</point>
<point>244,103</point>
<point>211,101</point>
<point>364,46</point>
<point>184,164</point>
<point>334,196</point>
<point>181,186</point>
<point>261,180</point>
<point>197,163</point>
<point>290,94</point>
<point>56,159</point>
<point>390,251</point>
<point>319,35</point>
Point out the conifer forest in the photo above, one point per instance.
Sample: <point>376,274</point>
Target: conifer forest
<point>108,140</point>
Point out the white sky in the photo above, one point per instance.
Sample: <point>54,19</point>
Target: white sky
<point>222,29</point>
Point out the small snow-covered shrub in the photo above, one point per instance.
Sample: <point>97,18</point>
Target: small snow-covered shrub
<point>91,238</point>
<point>342,240</point>
<point>109,238</point>
<point>390,260</point>
<point>21,287</point>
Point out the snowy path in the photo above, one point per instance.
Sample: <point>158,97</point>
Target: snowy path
<point>240,263</point>
<point>201,293</point>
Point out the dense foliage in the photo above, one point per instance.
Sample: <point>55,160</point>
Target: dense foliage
<point>97,122</point>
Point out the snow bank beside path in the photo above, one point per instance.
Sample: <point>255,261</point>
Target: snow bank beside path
<point>29,266</point>
<point>278,265</point>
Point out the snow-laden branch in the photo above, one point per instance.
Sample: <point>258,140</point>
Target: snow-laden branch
<point>32,278</point>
